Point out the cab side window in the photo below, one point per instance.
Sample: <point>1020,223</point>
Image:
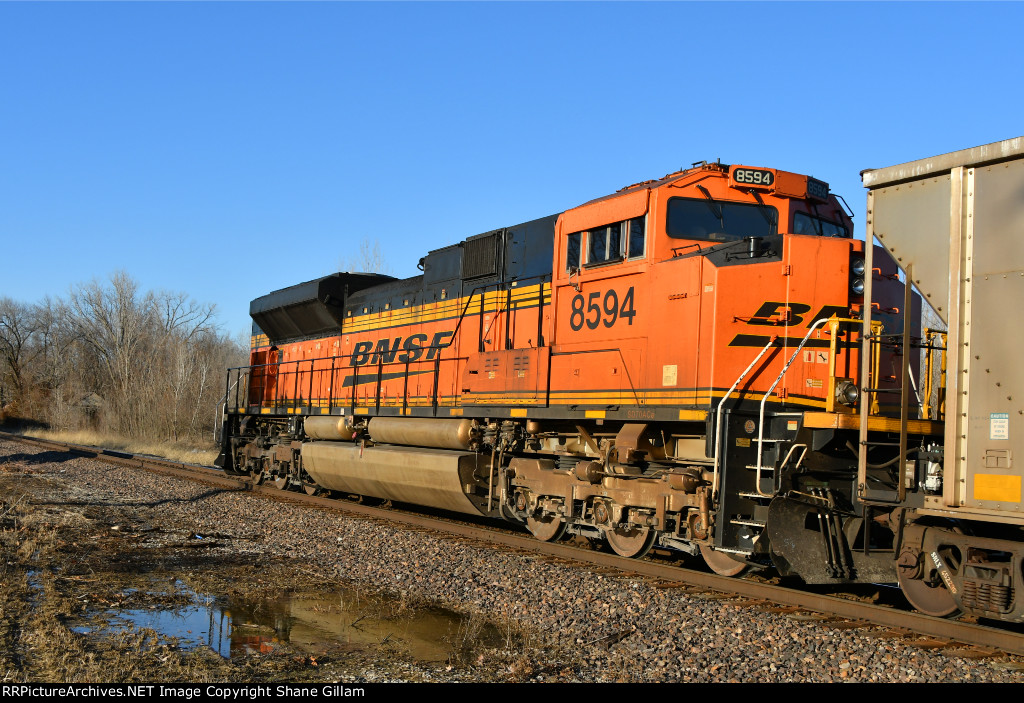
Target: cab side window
<point>636,237</point>
<point>606,244</point>
<point>572,257</point>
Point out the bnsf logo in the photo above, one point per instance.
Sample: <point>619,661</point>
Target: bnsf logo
<point>386,350</point>
<point>773,313</point>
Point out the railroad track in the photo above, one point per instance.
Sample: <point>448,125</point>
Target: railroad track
<point>830,610</point>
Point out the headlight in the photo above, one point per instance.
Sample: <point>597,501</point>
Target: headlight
<point>857,267</point>
<point>847,393</point>
<point>857,286</point>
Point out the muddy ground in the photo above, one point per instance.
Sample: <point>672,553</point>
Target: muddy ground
<point>93,590</point>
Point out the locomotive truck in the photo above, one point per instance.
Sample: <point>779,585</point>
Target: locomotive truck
<point>708,362</point>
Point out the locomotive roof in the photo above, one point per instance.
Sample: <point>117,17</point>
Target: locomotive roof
<point>668,178</point>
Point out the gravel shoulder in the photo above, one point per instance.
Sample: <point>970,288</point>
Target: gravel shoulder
<point>78,534</point>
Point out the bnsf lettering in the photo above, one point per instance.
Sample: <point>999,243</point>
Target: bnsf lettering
<point>414,348</point>
<point>385,351</point>
<point>769,314</point>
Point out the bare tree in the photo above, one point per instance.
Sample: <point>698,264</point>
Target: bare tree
<point>182,315</point>
<point>115,322</point>
<point>116,358</point>
<point>19,332</point>
<point>369,259</point>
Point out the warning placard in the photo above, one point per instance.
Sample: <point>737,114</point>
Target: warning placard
<point>999,426</point>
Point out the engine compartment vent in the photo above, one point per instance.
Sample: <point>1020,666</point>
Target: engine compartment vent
<point>480,256</point>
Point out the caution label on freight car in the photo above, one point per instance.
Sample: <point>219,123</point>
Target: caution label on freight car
<point>999,426</point>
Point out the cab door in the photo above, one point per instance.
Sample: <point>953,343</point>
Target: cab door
<point>600,301</point>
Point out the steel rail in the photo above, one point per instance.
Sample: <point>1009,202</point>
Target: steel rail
<point>963,632</point>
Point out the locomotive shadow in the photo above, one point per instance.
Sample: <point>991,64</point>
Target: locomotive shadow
<point>141,504</point>
<point>46,457</point>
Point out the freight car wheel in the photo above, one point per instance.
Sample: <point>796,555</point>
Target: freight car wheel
<point>281,482</point>
<point>546,529</point>
<point>722,563</point>
<point>630,542</point>
<point>929,599</point>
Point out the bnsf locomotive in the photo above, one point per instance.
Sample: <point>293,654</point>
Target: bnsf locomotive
<point>708,362</point>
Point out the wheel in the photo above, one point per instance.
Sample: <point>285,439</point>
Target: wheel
<point>310,487</point>
<point>931,600</point>
<point>257,476</point>
<point>630,542</point>
<point>546,529</point>
<point>722,563</point>
<point>281,482</point>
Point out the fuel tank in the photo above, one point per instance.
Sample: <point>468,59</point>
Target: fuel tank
<point>422,432</point>
<point>431,477</point>
<point>330,427</point>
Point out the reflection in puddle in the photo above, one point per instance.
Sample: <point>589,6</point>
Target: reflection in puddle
<point>308,621</point>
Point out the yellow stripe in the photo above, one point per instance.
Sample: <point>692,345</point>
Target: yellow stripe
<point>518,412</point>
<point>693,415</point>
<point>595,413</point>
<point>431,312</point>
<point>849,421</point>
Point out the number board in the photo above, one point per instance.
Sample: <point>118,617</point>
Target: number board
<point>817,189</point>
<point>756,177</point>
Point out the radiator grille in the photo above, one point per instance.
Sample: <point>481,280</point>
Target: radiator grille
<point>480,257</point>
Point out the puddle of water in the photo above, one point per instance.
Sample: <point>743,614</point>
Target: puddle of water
<point>308,621</point>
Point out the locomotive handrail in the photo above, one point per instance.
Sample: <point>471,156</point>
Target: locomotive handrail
<point>282,369</point>
<point>221,408</point>
<point>285,370</point>
<point>764,399</point>
<point>718,415</point>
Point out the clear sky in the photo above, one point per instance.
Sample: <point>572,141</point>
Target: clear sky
<point>230,149</point>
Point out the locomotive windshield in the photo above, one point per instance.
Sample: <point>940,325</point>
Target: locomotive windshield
<point>719,219</point>
<point>806,224</point>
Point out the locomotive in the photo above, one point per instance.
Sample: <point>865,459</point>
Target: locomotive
<point>708,362</point>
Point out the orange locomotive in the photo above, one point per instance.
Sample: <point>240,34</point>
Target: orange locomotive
<point>676,364</point>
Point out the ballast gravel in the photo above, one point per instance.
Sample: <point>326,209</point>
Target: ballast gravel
<point>573,624</point>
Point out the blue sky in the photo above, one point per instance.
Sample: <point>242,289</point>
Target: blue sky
<point>229,149</point>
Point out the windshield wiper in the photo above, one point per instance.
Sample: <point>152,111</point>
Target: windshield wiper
<point>716,209</point>
<point>765,212</point>
<point>816,219</point>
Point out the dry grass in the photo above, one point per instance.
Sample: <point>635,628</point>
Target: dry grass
<point>175,451</point>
